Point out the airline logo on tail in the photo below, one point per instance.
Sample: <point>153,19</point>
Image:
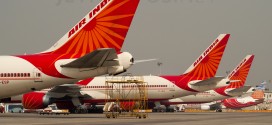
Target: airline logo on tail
<point>206,52</point>
<point>207,64</point>
<point>91,15</point>
<point>239,73</point>
<point>258,94</point>
<point>106,26</point>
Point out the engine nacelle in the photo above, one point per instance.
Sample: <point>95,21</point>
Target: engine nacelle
<point>223,83</point>
<point>205,107</point>
<point>35,100</point>
<point>127,105</point>
<point>125,60</point>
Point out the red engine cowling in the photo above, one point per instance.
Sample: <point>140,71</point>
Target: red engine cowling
<point>35,100</point>
<point>128,105</point>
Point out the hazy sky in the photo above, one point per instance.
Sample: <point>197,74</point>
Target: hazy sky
<point>175,31</point>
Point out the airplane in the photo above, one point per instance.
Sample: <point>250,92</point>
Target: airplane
<point>236,88</point>
<point>236,103</point>
<point>261,86</point>
<point>256,98</point>
<point>91,48</point>
<point>199,77</point>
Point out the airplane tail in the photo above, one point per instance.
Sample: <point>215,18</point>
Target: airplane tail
<point>239,76</point>
<point>261,86</point>
<point>240,72</point>
<point>105,26</point>
<point>207,64</point>
<point>258,94</point>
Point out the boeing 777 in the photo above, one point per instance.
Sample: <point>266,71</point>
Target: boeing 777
<point>91,48</point>
<point>198,78</point>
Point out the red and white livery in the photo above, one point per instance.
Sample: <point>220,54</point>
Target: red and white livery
<point>91,48</point>
<point>241,102</point>
<point>198,78</point>
<point>236,88</point>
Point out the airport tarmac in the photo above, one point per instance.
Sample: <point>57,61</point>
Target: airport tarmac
<point>180,118</point>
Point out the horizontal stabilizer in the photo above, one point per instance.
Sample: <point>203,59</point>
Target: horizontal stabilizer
<point>97,58</point>
<point>207,82</point>
<point>243,89</point>
<point>234,81</point>
<point>146,60</point>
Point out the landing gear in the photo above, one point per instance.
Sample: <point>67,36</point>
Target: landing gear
<point>218,110</point>
<point>95,109</point>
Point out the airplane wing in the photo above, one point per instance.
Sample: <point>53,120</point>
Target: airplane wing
<point>99,58</point>
<point>71,90</point>
<point>208,82</point>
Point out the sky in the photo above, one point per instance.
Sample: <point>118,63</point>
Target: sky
<point>174,31</point>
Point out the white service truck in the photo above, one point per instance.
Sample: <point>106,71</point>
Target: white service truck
<point>52,109</point>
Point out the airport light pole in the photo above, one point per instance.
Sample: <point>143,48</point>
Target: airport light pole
<point>159,64</point>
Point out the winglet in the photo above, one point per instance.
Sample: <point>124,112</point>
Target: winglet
<point>207,64</point>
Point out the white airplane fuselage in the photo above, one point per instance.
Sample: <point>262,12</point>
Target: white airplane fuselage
<point>19,76</point>
<point>202,97</point>
<point>158,88</point>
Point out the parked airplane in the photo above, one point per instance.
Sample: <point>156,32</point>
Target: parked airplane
<point>199,77</point>
<point>241,102</point>
<point>256,98</point>
<point>91,48</point>
<point>236,88</point>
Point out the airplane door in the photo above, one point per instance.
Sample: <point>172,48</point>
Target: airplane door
<point>37,75</point>
<point>172,89</point>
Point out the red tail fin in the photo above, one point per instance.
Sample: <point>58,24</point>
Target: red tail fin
<point>106,26</point>
<point>240,72</point>
<point>207,64</point>
<point>258,94</point>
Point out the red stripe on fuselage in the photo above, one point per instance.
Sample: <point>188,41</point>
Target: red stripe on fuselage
<point>46,63</point>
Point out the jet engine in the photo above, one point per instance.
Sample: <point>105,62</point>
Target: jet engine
<point>125,60</point>
<point>205,107</point>
<point>127,105</point>
<point>35,100</point>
